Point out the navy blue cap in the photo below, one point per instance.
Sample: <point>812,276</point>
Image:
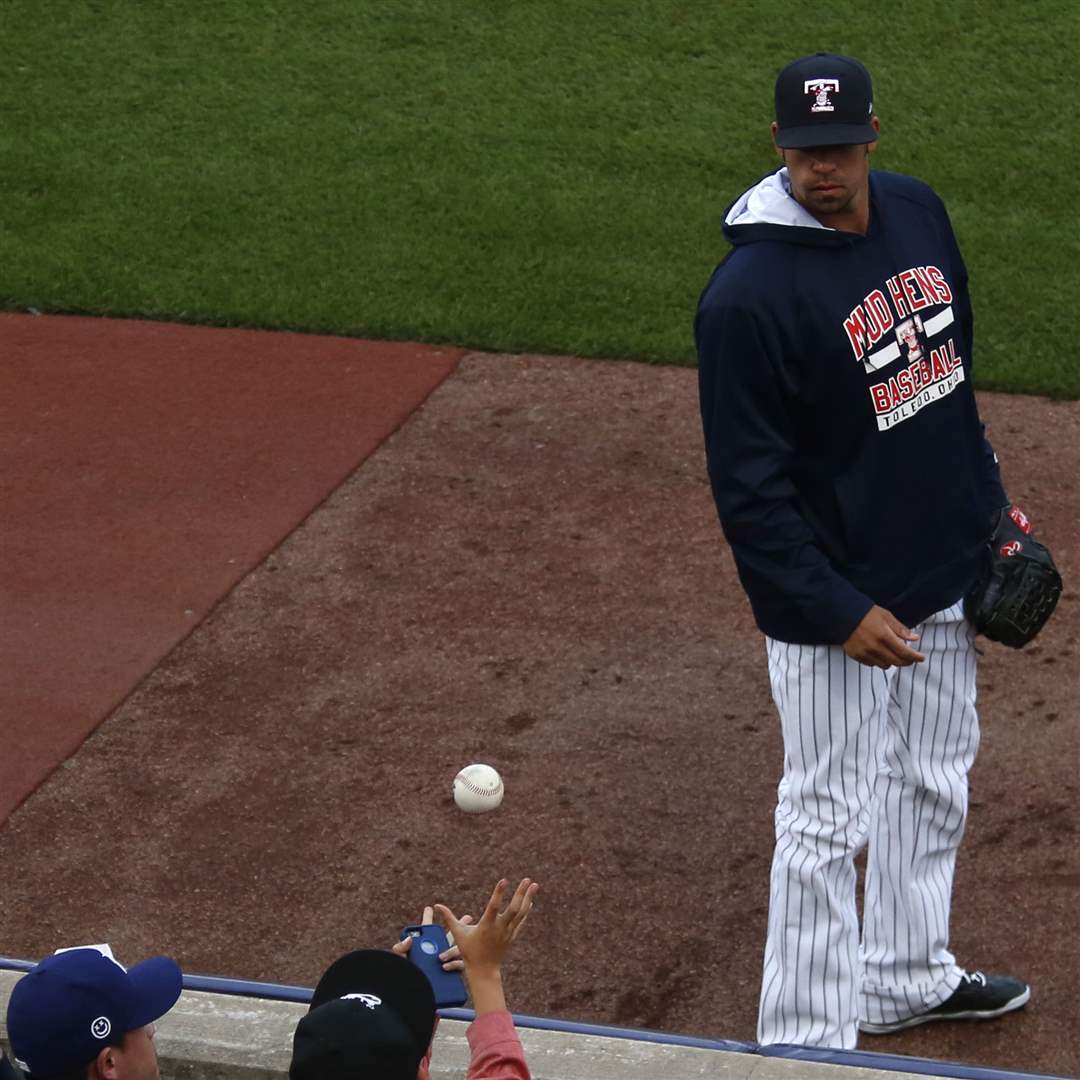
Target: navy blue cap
<point>824,100</point>
<point>73,1004</point>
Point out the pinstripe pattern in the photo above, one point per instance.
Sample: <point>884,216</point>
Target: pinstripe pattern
<point>879,758</point>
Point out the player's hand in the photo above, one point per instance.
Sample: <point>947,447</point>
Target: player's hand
<point>451,958</point>
<point>880,640</point>
<point>483,946</point>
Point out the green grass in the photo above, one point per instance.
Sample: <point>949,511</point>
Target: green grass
<point>506,174</point>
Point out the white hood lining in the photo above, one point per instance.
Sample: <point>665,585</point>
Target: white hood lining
<point>770,203</point>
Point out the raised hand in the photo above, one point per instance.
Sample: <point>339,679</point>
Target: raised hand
<point>483,946</point>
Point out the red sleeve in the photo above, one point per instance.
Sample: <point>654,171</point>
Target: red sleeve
<point>496,1049</point>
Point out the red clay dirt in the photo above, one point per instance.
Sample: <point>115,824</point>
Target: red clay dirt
<point>148,468</point>
<point>527,572</point>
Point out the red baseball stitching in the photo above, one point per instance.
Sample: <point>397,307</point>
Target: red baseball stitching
<point>471,785</point>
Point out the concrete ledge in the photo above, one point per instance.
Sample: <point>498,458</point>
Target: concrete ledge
<point>227,1037</point>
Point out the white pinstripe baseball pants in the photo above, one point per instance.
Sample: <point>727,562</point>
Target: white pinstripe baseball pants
<point>879,758</point>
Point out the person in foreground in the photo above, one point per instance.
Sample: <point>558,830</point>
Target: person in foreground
<point>373,1012</point>
<point>80,1015</point>
<point>857,491</point>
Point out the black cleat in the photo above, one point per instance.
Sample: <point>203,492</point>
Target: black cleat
<point>978,997</point>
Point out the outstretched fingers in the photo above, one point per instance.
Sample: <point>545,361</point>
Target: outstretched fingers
<point>491,911</point>
<point>495,924</point>
<point>520,905</point>
<point>452,923</point>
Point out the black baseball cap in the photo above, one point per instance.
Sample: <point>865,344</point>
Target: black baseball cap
<point>372,1014</point>
<point>824,100</point>
<point>7,1070</point>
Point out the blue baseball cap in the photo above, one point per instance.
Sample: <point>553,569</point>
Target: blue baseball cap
<point>73,1004</point>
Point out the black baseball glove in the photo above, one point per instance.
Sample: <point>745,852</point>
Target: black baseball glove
<point>1018,584</point>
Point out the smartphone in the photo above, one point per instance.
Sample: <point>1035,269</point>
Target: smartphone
<point>428,942</point>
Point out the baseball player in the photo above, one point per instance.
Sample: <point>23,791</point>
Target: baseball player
<point>856,488</point>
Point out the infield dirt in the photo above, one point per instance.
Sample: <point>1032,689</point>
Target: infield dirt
<point>522,568</point>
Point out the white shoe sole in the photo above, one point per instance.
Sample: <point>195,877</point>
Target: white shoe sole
<point>929,1017</point>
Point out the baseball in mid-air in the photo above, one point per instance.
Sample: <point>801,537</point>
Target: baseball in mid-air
<point>477,789</point>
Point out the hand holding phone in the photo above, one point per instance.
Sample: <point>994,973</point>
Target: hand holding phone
<point>428,941</point>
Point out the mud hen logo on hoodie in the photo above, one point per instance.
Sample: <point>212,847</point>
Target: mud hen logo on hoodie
<point>889,325</point>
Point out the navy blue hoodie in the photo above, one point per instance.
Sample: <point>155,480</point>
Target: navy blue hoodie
<point>844,447</point>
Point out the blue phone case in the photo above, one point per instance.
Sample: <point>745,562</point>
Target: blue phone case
<point>428,942</point>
